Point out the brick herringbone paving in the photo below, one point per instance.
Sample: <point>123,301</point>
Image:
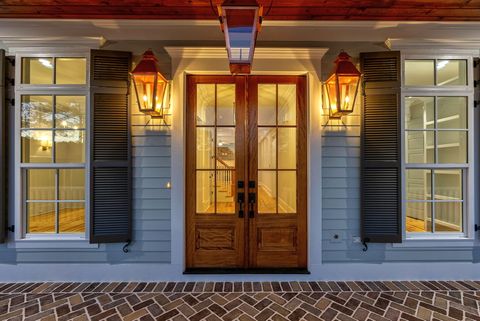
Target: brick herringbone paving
<point>277,301</point>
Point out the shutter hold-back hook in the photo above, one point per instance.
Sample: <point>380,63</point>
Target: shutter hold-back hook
<point>125,247</point>
<point>365,245</point>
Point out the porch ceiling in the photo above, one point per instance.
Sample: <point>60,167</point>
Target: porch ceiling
<point>376,10</point>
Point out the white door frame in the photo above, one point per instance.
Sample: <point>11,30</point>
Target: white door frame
<point>268,61</point>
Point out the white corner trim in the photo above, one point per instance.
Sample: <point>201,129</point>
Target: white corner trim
<point>442,45</point>
<point>16,44</point>
<point>260,53</point>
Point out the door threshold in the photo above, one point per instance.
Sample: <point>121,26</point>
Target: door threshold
<point>246,271</point>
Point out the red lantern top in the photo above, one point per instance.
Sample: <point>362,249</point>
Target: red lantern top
<point>344,66</point>
<point>148,64</point>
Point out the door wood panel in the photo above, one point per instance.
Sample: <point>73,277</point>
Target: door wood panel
<point>214,240</point>
<point>278,240</point>
<point>252,240</point>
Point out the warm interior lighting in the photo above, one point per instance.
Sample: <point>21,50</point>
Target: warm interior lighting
<point>45,143</point>
<point>240,21</point>
<point>342,86</point>
<point>150,86</point>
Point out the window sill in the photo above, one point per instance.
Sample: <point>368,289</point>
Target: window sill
<point>438,242</point>
<point>42,243</point>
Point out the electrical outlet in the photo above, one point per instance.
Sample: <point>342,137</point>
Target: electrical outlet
<point>357,239</point>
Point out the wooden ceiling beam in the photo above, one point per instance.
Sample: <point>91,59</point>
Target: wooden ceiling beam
<point>412,10</point>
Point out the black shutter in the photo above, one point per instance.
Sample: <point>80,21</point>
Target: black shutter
<point>381,148</point>
<point>110,148</point>
<point>3,155</point>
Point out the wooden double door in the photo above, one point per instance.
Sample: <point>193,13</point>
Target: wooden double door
<point>246,172</point>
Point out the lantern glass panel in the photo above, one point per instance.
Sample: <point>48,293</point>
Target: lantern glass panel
<point>347,86</point>
<point>332,95</point>
<point>241,25</point>
<point>160,95</point>
<point>145,87</point>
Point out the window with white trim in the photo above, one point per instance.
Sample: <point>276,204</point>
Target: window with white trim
<point>51,144</point>
<point>437,123</point>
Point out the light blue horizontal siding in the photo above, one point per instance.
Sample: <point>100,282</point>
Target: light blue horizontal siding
<point>341,200</point>
<point>151,221</point>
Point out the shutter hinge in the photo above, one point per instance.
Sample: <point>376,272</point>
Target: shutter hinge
<point>11,60</point>
<point>475,63</point>
<point>476,228</point>
<point>10,101</point>
<point>475,103</point>
<point>11,228</point>
<point>475,83</point>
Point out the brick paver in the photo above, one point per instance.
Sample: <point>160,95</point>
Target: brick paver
<point>289,301</point>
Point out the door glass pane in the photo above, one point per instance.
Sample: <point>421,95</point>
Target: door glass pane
<point>226,104</point>
<point>451,72</point>
<point>267,191</point>
<point>72,71</point>
<point>205,148</point>
<point>419,112</point>
<point>205,104</point>
<point>267,101</point>
<point>69,146</point>
<point>452,146</point>
<point>41,184</point>
<point>36,146</point>
<point>420,146</point>
<point>205,195</point>
<point>287,148</point>
<point>37,112</point>
<point>419,72</point>
<point>71,184</point>
<point>225,148</point>
<point>225,191</point>
<point>70,112</point>
<point>452,112</point>
<point>71,217</point>
<point>448,184</point>
<point>419,217</point>
<point>37,71</point>
<point>287,104</point>
<point>40,217</point>
<point>448,217</point>
<point>267,148</point>
<point>419,184</point>
<point>287,192</point>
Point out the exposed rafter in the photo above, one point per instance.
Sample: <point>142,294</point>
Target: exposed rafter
<point>398,10</point>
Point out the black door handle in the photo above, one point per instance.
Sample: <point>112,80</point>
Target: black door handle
<point>240,201</point>
<point>251,204</point>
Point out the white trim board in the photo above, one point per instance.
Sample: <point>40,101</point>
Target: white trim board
<point>260,53</point>
<point>88,272</point>
<point>435,46</point>
<point>51,44</point>
<point>188,60</point>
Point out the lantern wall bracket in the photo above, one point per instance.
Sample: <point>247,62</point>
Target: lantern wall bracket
<point>335,118</point>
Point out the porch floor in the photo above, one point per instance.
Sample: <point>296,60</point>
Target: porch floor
<point>453,300</point>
